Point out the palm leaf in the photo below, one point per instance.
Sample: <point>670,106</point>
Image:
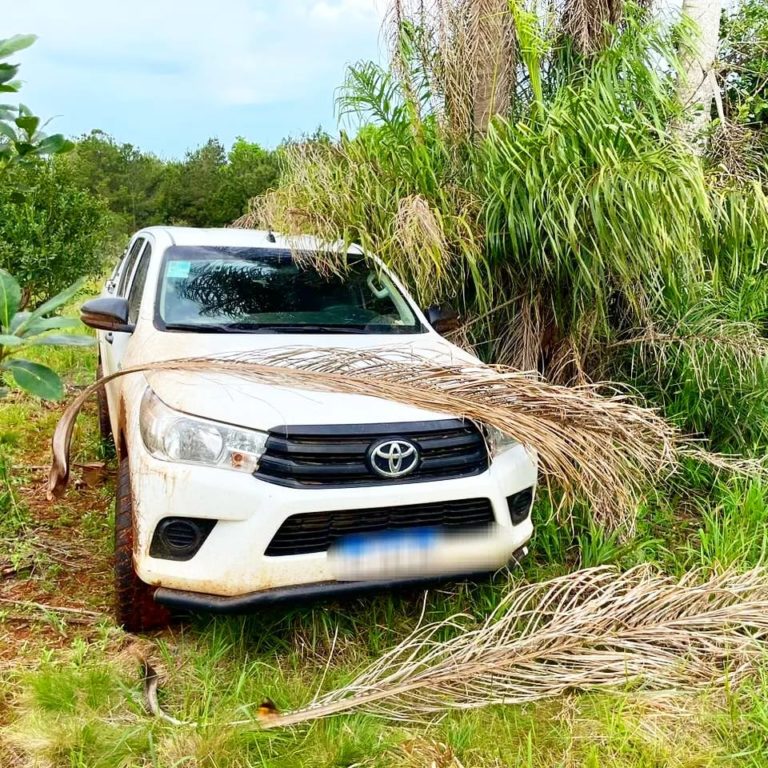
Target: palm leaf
<point>595,629</point>
<point>595,446</point>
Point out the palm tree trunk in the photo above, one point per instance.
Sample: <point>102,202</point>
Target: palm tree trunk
<point>492,32</point>
<point>698,84</point>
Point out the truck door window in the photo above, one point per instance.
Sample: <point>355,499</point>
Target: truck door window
<point>129,262</point>
<point>137,286</point>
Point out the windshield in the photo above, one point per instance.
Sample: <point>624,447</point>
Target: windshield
<point>230,290</point>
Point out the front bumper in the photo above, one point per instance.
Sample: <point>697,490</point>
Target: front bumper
<point>195,601</point>
<point>232,564</point>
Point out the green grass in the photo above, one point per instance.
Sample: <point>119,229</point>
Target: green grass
<point>83,709</point>
<point>70,693</point>
<point>734,526</point>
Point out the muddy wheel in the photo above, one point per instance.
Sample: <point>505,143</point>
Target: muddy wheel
<point>136,611</point>
<point>105,427</point>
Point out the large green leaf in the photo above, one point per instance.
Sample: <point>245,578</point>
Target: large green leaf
<point>18,319</point>
<point>52,304</point>
<point>15,43</point>
<point>55,144</point>
<point>7,72</point>
<point>10,298</point>
<point>70,340</point>
<point>28,123</point>
<point>8,131</point>
<point>48,324</point>
<point>37,379</point>
<point>23,148</point>
<point>9,340</point>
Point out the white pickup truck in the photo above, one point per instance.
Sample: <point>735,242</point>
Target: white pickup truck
<point>232,493</point>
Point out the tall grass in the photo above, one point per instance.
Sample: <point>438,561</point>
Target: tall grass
<point>579,235</point>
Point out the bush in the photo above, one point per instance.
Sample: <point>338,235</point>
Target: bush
<point>51,232</point>
<point>579,234</point>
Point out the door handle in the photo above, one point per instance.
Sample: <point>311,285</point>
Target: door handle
<point>109,337</point>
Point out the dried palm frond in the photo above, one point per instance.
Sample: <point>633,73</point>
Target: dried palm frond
<point>587,22</point>
<point>736,154</point>
<point>729,463</point>
<point>518,330</point>
<point>593,446</point>
<point>254,216</point>
<point>419,232</point>
<point>465,54</point>
<point>595,629</point>
<point>712,371</point>
<point>492,29</point>
<point>708,340</point>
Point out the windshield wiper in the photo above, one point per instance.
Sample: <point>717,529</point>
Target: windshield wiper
<point>244,327</point>
<point>209,328</point>
<point>287,328</point>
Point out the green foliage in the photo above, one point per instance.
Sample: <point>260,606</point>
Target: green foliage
<point>12,514</point>
<point>581,234</point>
<point>126,178</point>
<point>211,187</point>
<point>21,137</point>
<point>743,62</point>
<point>21,330</point>
<point>397,188</point>
<point>590,199</point>
<point>734,526</point>
<point>190,187</point>
<point>51,231</point>
<point>250,171</point>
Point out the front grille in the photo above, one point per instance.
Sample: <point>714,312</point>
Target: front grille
<point>316,531</point>
<point>338,456</point>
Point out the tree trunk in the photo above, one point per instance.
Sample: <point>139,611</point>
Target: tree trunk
<point>493,66</point>
<point>698,84</point>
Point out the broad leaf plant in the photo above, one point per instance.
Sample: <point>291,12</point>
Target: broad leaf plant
<point>21,140</point>
<point>20,331</point>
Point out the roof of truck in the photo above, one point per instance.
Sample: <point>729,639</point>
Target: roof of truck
<point>243,238</point>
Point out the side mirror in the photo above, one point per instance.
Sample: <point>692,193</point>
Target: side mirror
<point>442,319</point>
<point>107,314</point>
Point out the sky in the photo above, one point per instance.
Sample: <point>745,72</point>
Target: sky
<point>166,75</point>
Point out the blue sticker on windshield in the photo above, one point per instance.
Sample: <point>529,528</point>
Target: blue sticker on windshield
<point>179,269</point>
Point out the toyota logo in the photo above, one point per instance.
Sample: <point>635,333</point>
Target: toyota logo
<point>394,458</point>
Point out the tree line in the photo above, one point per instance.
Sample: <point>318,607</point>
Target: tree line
<point>210,187</point>
<point>65,216</point>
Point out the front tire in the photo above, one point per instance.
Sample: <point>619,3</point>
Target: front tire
<point>135,610</point>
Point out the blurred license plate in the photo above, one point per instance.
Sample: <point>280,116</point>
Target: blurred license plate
<point>380,555</point>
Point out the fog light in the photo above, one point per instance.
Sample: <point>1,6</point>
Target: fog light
<point>179,538</point>
<point>519,505</point>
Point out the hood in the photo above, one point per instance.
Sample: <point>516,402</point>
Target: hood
<point>238,401</point>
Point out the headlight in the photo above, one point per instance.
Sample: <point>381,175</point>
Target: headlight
<point>173,436</point>
<point>498,441</point>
